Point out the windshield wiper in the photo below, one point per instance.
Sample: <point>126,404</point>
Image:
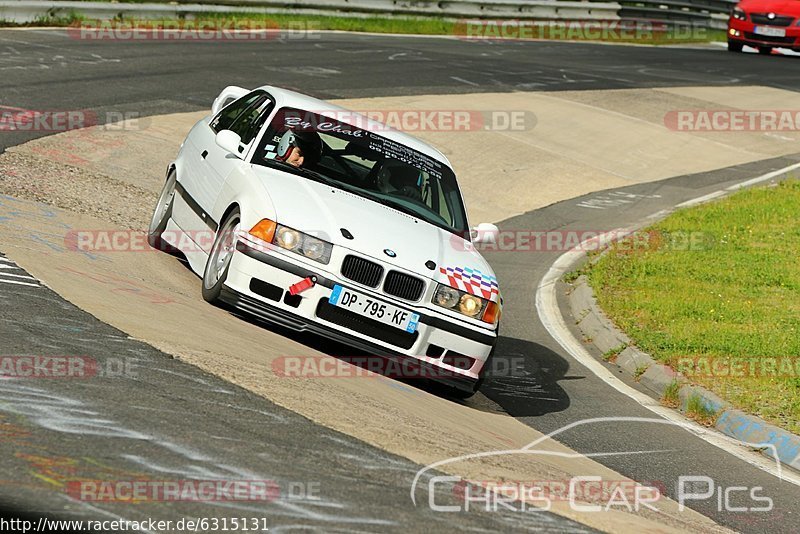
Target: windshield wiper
<point>398,207</point>
<point>308,173</point>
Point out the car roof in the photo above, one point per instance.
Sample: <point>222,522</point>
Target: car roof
<point>285,97</point>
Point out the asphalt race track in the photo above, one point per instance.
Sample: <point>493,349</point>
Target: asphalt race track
<point>158,407</point>
<point>366,488</point>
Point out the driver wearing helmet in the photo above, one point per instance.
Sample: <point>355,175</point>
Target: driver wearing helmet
<point>300,149</point>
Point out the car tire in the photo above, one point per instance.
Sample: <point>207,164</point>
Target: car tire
<point>766,50</point>
<point>161,215</point>
<point>219,258</point>
<point>733,46</point>
<point>462,394</point>
<point>476,386</point>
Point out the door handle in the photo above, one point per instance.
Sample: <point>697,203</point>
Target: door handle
<point>204,154</point>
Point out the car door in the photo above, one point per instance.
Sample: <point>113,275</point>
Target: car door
<point>213,164</point>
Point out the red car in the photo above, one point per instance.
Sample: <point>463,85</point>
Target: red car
<point>764,24</point>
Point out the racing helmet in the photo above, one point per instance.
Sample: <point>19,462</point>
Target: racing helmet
<point>309,144</point>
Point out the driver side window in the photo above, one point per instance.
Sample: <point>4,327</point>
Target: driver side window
<point>225,119</point>
<point>249,123</point>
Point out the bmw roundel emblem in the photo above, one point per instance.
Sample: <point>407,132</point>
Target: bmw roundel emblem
<point>770,16</point>
<point>389,252</point>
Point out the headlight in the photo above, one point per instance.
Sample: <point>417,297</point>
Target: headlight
<point>290,239</point>
<point>304,244</point>
<point>446,297</point>
<point>313,248</point>
<point>287,238</point>
<point>738,14</point>
<point>470,305</point>
<point>467,304</point>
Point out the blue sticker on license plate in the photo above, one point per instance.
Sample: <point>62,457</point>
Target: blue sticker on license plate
<point>412,324</point>
<point>335,294</point>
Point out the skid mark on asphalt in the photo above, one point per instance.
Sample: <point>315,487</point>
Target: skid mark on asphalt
<point>15,58</point>
<point>308,70</point>
<point>611,200</point>
<point>65,414</point>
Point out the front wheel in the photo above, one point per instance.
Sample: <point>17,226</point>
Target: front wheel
<point>219,260</point>
<point>462,394</point>
<point>733,46</point>
<point>161,215</point>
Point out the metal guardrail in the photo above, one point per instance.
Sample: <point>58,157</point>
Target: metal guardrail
<point>702,13</point>
<point>30,10</point>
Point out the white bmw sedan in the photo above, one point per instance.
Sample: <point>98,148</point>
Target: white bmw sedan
<point>316,218</point>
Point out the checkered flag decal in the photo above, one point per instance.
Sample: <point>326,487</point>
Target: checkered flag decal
<point>472,281</point>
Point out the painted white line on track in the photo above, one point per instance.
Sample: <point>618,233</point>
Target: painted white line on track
<point>659,214</point>
<point>23,276</point>
<point>14,282</point>
<point>701,200</point>
<point>462,80</point>
<point>10,266</point>
<point>553,321</point>
<point>763,177</point>
<point>753,50</point>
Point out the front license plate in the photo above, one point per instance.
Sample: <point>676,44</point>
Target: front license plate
<point>377,310</point>
<point>772,32</point>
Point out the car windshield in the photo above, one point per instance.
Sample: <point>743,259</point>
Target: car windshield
<point>367,164</point>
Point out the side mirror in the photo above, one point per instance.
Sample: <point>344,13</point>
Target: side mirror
<point>484,233</point>
<point>229,141</point>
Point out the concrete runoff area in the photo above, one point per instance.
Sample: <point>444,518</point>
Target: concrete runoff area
<point>576,147</point>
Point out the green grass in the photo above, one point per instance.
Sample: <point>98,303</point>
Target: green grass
<point>72,18</point>
<point>573,275</point>
<point>404,25</point>
<point>732,292</point>
<point>670,397</point>
<point>418,26</point>
<point>640,370</point>
<point>699,410</point>
<point>611,354</point>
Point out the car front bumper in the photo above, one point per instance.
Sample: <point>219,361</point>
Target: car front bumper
<point>258,282</point>
<point>743,31</point>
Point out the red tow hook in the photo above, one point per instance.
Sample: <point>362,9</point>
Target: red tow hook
<point>302,285</point>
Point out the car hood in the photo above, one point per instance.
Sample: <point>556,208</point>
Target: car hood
<point>779,7</point>
<point>323,211</point>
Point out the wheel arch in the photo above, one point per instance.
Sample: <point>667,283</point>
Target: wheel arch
<point>233,206</point>
<point>245,192</point>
